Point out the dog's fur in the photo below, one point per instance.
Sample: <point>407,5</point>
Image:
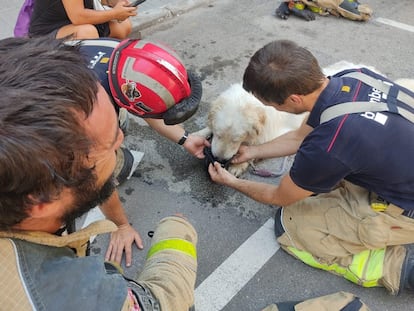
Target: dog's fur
<point>237,117</point>
<point>343,65</point>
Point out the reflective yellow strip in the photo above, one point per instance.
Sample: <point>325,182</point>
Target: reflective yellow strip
<point>175,245</point>
<point>368,266</point>
<point>315,9</point>
<point>299,6</point>
<point>365,269</point>
<point>379,207</point>
<point>309,260</point>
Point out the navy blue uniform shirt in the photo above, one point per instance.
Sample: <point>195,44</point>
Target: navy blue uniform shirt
<point>373,150</point>
<point>98,53</point>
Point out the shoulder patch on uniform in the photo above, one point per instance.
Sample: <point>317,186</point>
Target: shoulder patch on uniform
<point>346,88</point>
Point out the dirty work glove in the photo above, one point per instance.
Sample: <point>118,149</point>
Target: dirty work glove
<point>283,10</point>
<point>303,13</point>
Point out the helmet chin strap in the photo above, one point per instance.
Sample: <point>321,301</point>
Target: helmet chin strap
<point>188,106</point>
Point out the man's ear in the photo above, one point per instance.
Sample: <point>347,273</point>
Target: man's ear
<point>40,210</point>
<point>295,99</point>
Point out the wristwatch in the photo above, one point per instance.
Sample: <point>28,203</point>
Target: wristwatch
<point>183,139</point>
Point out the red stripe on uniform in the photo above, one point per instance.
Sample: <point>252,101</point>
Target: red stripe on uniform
<point>337,132</point>
<point>358,88</point>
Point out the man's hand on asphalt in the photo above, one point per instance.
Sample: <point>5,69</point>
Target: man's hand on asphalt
<point>121,241</point>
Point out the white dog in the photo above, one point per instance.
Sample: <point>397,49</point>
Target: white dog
<point>237,117</point>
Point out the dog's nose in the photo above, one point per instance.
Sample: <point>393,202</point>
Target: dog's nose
<point>225,162</point>
<point>222,159</point>
<point>210,158</point>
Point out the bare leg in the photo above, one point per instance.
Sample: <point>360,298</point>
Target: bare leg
<point>86,31</point>
<point>120,30</point>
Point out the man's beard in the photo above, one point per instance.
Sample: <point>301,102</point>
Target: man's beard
<point>87,199</point>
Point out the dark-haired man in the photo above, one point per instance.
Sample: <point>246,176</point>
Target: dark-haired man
<point>59,135</point>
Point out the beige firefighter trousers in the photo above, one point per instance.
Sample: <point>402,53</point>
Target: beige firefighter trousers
<point>170,271</point>
<point>337,225</point>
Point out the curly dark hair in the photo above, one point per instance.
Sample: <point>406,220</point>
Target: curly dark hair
<point>282,68</point>
<point>46,91</point>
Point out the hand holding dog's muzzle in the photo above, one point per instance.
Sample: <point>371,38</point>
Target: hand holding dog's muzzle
<point>220,175</point>
<point>210,159</point>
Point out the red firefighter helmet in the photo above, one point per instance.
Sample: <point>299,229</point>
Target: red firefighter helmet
<point>150,81</point>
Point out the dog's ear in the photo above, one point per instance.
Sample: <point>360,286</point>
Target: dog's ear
<point>261,114</point>
<point>210,118</point>
<point>215,106</point>
<point>256,116</point>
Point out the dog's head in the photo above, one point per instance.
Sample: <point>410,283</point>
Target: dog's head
<point>236,117</point>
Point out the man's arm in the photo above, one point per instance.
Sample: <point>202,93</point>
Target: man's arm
<point>78,14</point>
<point>194,144</point>
<point>125,236</point>
<point>284,145</point>
<point>286,193</point>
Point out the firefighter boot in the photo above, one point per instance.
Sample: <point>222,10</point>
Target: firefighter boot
<point>407,273</point>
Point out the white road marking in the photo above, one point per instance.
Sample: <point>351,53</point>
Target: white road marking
<point>395,24</point>
<point>225,282</point>
<point>93,215</point>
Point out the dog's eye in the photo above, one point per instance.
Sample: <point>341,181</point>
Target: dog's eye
<point>236,140</point>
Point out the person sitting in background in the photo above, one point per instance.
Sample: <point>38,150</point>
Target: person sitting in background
<point>77,18</point>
